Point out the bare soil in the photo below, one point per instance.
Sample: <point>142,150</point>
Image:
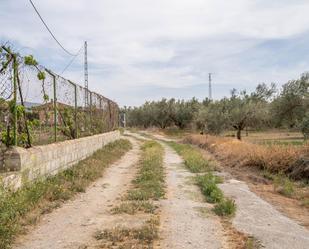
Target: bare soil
<point>73,225</point>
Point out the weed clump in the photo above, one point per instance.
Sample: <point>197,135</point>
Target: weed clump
<point>132,207</point>
<point>208,185</point>
<point>123,237</point>
<point>226,207</point>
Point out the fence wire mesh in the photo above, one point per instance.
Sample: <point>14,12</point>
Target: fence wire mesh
<point>39,107</point>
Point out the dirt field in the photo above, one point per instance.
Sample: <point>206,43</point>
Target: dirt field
<point>271,137</point>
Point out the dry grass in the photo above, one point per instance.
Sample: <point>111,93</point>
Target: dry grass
<point>274,158</point>
<point>237,239</point>
<point>127,238</point>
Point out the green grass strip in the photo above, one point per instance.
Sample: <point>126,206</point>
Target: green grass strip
<point>149,183</point>
<point>193,159</point>
<point>15,207</point>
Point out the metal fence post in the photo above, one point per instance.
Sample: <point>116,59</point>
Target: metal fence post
<point>54,103</point>
<point>90,111</point>
<point>75,108</point>
<point>75,115</point>
<point>15,98</point>
<point>55,108</point>
<point>101,114</point>
<point>110,115</point>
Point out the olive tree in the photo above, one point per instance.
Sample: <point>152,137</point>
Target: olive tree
<point>212,118</point>
<point>289,108</point>
<point>245,110</point>
<point>183,112</point>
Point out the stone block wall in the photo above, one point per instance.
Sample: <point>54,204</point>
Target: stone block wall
<point>41,161</point>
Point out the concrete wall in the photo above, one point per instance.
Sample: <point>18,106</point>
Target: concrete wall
<point>41,161</point>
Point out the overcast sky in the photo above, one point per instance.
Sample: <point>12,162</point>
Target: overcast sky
<point>148,49</point>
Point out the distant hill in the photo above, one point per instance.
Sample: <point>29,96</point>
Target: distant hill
<point>30,104</point>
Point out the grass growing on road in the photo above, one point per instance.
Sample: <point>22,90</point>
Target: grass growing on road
<point>193,158</point>
<point>225,207</point>
<point>196,163</point>
<point>26,205</point>
<point>147,187</point>
<point>132,207</point>
<point>209,187</point>
<point>122,237</point>
<point>208,184</point>
<point>149,183</point>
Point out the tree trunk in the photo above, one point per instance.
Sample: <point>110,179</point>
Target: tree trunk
<point>239,133</point>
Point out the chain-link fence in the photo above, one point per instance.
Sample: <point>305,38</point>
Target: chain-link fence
<point>38,106</point>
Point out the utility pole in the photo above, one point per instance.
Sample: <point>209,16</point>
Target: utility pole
<point>86,76</point>
<point>210,90</point>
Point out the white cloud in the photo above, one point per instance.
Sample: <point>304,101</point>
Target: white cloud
<point>162,43</point>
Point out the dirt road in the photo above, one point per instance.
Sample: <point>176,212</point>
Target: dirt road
<point>186,219</point>
<point>73,225</point>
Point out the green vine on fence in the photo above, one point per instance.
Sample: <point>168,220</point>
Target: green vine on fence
<point>21,132</point>
<point>24,123</point>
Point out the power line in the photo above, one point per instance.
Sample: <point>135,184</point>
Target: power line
<point>71,61</point>
<point>51,33</point>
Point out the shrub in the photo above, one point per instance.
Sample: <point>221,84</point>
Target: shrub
<point>225,207</point>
